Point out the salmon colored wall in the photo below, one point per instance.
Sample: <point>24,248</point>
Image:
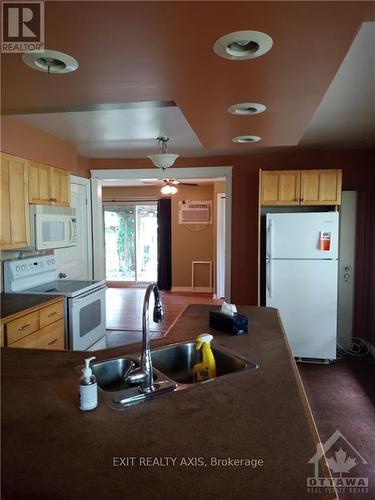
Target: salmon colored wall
<point>358,172</point>
<point>21,139</point>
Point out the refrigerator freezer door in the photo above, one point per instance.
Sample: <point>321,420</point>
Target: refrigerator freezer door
<point>305,292</point>
<point>297,236</point>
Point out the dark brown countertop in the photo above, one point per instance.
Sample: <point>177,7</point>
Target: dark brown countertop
<point>14,304</point>
<point>52,450</point>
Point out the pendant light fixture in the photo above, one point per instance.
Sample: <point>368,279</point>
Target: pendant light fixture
<point>163,159</point>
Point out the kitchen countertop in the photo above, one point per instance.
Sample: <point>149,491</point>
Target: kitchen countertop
<point>16,304</point>
<point>52,450</point>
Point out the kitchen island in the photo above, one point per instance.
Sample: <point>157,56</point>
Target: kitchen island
<point>181,445</point>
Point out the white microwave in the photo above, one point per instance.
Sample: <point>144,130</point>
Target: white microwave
<point>52,227</point>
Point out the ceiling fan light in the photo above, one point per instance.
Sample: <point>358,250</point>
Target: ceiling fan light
<point>163,160</point>
<point>166,189</point>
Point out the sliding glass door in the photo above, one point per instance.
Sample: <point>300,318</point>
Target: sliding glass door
<point>131,242</point>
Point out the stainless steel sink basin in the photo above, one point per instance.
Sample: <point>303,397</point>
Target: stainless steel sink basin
<point>177,361</point>
<point>173,369</point>
<point>110,374</point>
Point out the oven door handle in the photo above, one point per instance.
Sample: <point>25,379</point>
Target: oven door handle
<point>81,298</point>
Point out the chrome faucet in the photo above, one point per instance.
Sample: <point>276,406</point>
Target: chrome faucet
<point>144,375</point>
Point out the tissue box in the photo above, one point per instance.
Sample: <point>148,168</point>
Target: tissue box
<point>234,325</point>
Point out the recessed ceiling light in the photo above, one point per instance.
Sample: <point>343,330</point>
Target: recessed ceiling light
<point>243,45</point>
<point>246,108</point>
<point>242,139</point>
<point>50,61</point>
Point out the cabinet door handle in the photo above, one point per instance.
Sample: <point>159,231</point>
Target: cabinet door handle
<point>23,327</point>
<point>53,341</point>
<point>53,199</point>
<point>52,314</point>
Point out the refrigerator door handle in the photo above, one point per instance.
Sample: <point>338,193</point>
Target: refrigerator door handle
<point>269,240</point>
<point>269,278</point>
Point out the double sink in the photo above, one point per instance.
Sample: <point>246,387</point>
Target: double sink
<point>172,369</point>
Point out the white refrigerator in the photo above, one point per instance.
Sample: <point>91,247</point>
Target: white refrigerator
<point>301,280</point>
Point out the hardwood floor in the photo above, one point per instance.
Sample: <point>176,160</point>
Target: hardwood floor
<point>124,308</point>
<point>342,397</point>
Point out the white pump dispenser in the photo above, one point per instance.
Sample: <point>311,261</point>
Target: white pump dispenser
<point>88,388</point>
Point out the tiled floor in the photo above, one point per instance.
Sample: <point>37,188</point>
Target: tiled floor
<point>342,397</point>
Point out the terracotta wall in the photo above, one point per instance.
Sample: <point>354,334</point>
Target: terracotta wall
<point>21,139</point>
<point>358,174</point>
<point>189,242</point>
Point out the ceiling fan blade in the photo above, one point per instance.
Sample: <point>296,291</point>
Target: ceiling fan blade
<point>187,184</point>
<point>153,183</point>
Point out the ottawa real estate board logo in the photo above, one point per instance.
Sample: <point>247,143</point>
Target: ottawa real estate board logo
<point>346,464</point>
<point>22,27</point>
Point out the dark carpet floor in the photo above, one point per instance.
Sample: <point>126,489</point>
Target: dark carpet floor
<point>342,397</point>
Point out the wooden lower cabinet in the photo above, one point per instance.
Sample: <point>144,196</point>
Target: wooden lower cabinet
<point>51,313</point>
<point>22,327</point>
<point>42,328</point>
<point>49,337</point>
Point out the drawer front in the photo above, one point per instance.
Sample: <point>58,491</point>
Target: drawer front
<point>49,337</point>
<point>50,314</point>
<point>19,328</point>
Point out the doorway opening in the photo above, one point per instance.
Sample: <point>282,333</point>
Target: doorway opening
<point>130,243</point>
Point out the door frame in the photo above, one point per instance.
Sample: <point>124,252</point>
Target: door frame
<point>100,176</point>
<point>220,242</point>
<point>87,185</point>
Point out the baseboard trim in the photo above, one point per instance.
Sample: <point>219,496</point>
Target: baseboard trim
<point>198,289</point>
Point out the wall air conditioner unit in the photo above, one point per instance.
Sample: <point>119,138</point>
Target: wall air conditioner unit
<point>194,212</point>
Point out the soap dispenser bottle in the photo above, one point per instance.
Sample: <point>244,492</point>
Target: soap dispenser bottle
<point>88,388</point>
<point>206,369</point>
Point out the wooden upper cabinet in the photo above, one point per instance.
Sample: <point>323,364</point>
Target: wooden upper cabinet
<point>40,183</point>
<point>280,187</point>
<point>60,187</point>
<point>300,187</point>
<point>321,187</point>
<point>14,203</point>
<point>48,185</point>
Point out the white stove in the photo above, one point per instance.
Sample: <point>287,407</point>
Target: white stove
<point>85,300</point>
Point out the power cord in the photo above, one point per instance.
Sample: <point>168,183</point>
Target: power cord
<point>359,348</point>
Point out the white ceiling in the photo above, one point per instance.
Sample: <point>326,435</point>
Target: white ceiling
<point>157,179</point>
<point>120,133</point>
<point>346,115</point>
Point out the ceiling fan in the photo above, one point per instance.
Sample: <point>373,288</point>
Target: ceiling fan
<point>168,185</point>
